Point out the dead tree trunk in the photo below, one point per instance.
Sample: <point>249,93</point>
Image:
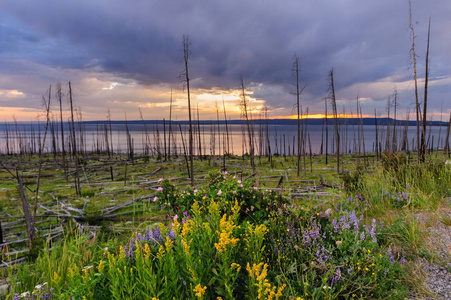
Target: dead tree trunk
<point>334,107</point>
<point>185,76</point>
<point>74,144</point>
<point>60,96</point>
<point>425,103</point>
<point>41,156</point>
<point>26,212</point>
<point>417,103</point>
<point>447,152</point>
<point>244,113</point>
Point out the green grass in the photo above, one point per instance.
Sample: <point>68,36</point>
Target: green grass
<point>393,191</point>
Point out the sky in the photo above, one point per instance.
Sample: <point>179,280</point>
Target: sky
<point>124,58</point>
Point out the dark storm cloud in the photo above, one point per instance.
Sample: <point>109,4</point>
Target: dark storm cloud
<point>364,41</point>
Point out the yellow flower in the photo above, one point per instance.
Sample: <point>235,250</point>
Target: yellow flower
<point>84,298</point>
<point>169,244</point>
<point>100,266</point>
<point>225,236</point>
<point>186,247</point>
<point>70,272</point>
<point>187,227</point>
<point>199,290</point>
<point>160,253</point>
<point>146,251</point>
<point>236,265</point>
<point>155,298</point>
<point>121,253</point>
<point>56,278</point>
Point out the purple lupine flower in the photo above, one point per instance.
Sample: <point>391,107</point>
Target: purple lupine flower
<point>362,236</point>
<point>373,231</point>
<point>354,220</point>
<point>16,297</point>
<point>403,260</point>
<point>349,271</point>
<point>336,277</point>
<point>386,271</point>
<point>335,225</point>
<point>392,260</point>
<point>306,238</point>
<point>171,235</point>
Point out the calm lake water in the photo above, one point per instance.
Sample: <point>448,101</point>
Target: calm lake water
<point>150,138</point>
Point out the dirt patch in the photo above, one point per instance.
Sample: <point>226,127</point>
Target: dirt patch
<point>438,269</point>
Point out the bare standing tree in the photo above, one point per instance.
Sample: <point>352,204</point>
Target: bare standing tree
<point>46,103</point>
<point>245,115</point>
<point>417,103</point>
<point>74,143</point>
<point>425,103</point>
<point>185,78</point>
<point>59,95</point>
<point>334,108</point>
<point>296,69</point>
<point>170,127</point>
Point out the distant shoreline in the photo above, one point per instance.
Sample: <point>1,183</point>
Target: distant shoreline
<point>319,121</point>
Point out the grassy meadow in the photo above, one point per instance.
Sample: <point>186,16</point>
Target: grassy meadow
<point>139,230</point>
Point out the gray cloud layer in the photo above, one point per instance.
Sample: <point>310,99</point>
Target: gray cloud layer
<point>365,41</point>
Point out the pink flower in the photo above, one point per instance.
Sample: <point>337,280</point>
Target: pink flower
<point>159,189</point>
<point>241,185</point>
<point>161,179</point>
<point>239,181</point>
<point>226,173</point>
<point>255,188</point>
<point>155,199</point>
<point>219,192</point>
<point>234,192</point>
<point>176,217</point>
<point>195,191</point>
